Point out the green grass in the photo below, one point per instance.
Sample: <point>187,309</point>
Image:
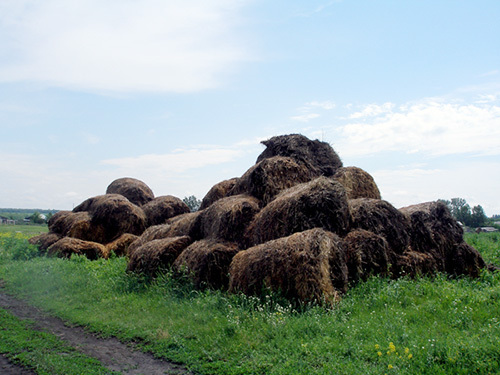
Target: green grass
<point>436,325</point>
<point>30,230</point>
<point>41,351</point>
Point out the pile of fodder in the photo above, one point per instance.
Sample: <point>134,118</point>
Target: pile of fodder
<point>136,191</point>
<point>157,255</point>
<point>207,262</point>
<point>228,218</point>
<point>433,231</point>
<point>269,177</point>
<point>115,214</point>
<point>160,209</point>
<point>357,183</point>
<point>320,203</point>
<point>319,157</point>
<point>297,222</point>
<point>218,191</point>
<point>44,240</point>
<point>381,217</point>
<point>307,266</point>
<point>115,219</point>
<point>366,254</point>
<point>67,246</point>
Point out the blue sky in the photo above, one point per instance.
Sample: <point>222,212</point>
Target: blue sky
<point>179,94</point>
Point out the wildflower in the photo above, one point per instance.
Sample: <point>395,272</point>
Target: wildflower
<point>410,356</point>
<point>377,346</point>
<point>379,354</point>
<point>392,347</point>
<point>390,366</point>
<point>407,350</point>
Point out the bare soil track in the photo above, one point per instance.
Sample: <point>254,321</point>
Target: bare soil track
<point>112,353</point>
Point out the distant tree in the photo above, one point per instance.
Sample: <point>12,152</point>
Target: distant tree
<point>461,210</point>
<point>37,218</point>
<point>192,202</point>
<point>478,217</point>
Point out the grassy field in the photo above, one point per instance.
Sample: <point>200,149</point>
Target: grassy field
<point>434,325</point>
<point>29,230</point>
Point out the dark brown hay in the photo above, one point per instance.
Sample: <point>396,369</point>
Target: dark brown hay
<point>85,229</point>
<point>121,244</point>
<point>185,225</point>
<point>162,208</point>
<point>414,263</point>
<point>134,190</point>
<point>320,203</point>
<point>380,217</point>
<point>433,231</point>
<point>228,218</point>
<point>464,260</point>
<point>157,255</point>
<point>115,214</point>
<point>218,191</point>
<point>357,183</point>
<point>269,177</point>
<point>62,221</point>
<point>366,254</point>
<point>155,232</point>
<point>308,266</point>
<point>44,240</point>
<point>68,246</point>
<point>318,156</point>
<point>207,263</point>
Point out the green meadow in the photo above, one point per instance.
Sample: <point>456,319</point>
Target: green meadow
<point>428,325</point>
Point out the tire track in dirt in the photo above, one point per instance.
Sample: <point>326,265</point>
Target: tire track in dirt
<point>112,353</point>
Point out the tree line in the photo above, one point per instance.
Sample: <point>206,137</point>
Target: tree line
<point>461,210</point>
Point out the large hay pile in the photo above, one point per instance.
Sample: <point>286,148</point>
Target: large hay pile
<point>297,222</point>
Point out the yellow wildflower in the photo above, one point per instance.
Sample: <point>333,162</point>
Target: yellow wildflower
<point>379,353</point>
<point>390,366</point>
<point>407,350</point>
<point>392,347</point>
<point>377,346</point>
<point>410,356</point>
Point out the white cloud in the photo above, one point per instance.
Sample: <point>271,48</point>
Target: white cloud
<point>305,118</point>
<point>373,110</point>
<point>150,45</point>
<point>471,180</point>
<point>433,127</point>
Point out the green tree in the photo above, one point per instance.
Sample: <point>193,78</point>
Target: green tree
<point>37,218</point>
<point>192,202</point>
<point>478,217</point>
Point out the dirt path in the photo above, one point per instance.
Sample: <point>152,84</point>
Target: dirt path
<point>110,352</point>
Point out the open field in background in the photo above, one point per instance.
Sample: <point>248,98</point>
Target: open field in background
<point>28,230</point>
<point>434,325</point>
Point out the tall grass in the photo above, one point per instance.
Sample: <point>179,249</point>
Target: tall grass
<point>433,325</point>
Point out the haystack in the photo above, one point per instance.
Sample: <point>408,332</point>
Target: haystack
<point>134,190</point>
<point>155,232</point>
<point>218,191</point>
<point>308,266</point>
<point>366,254</point>
<point>85,229</point>
<point>320,203</point>
<point>157,255</point>
<point>380,217</point>
<point>120,246</point>
<point>115,214</point>
<point>414,263</point>
<point>434,231</point>
<point>269,177</point>
<point>44,240</point>
<point>185,225</point>
<point>68,246</point>
<point>464,260</point>
<point>228,218</point>
<point>357,183</point>
<point>318,156</point>
<point>161,208</point>
<point>207,263</point>
<point>62,221</point>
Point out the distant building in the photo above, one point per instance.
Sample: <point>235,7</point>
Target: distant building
<point>7,221</point>
<point>488,229</point>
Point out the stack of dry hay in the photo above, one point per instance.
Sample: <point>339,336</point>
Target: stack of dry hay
<point>297,222</point>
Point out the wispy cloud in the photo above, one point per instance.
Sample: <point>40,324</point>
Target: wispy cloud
<point>431,126</point>
<point>305,118</point>
<point>114,46</point>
